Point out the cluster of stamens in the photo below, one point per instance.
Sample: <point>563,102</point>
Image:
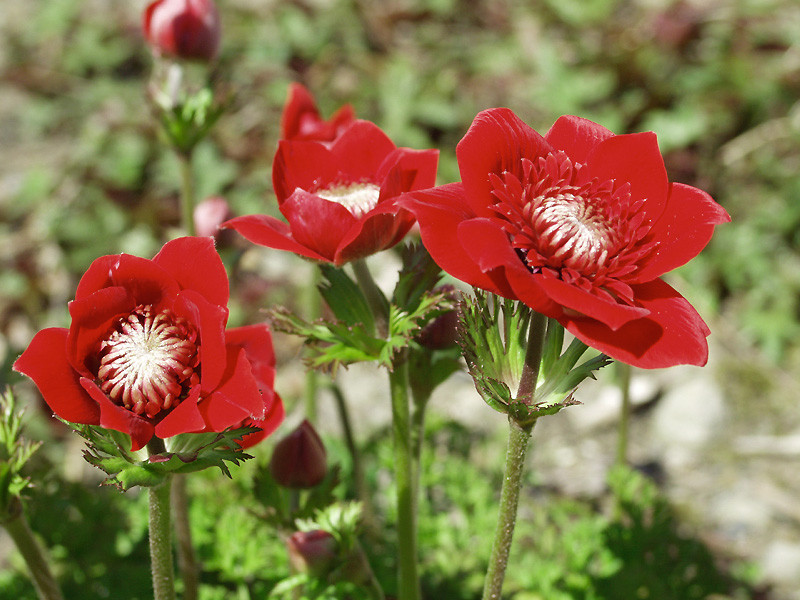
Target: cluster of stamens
<point>588,233</point>
<point>149,361</point>
<point>359,198</point>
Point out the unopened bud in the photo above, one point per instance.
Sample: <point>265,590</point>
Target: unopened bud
<point>312,552</point>
<point>186,29</point>
<point>299,460</point>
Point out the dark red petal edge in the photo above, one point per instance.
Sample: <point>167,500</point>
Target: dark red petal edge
<point>195,265</point>
<point>272,233</point>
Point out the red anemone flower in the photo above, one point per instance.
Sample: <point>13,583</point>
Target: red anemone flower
<point>187,29</point>
<point>147,352</point>
<point>339,199</point>
<point>301,119</point>
<point>579,225</point>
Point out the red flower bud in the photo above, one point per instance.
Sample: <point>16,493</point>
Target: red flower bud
<point>441,333</point>
<point>299,460</point>
<point>187,29</point>
<point>311,552</point>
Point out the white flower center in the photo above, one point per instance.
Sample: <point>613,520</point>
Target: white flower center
<point>358,198</point>
<point>148,361</point>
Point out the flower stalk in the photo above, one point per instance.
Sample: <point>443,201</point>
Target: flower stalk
<point>187,191</point>
<point>518,435</point>
<point>624,379</point>
<point>160,525</point>
<point>17,526</point>
<point>408,576</point>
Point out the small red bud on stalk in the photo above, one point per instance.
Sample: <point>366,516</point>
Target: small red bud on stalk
<point>441,334</point>
<point>184,29</point>
<point>299,460</point>
<point>312,552</point>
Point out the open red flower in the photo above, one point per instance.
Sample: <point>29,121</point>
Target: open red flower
<point>301,119</point>
<point>147,352</point>
<point>339,199</point>
<point>187,29</point>
<point>579,225</point>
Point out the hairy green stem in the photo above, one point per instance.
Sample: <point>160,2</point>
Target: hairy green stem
<point>161,542</point>
<point>313,302</point>
<point>187,561</point>
<point>161,532</point>
<point>518,436</point>
<point>19,530</point>
<point>408,576</point>
<point>187,191</point>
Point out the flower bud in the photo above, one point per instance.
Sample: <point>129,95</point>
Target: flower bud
<point>187,29</point>
<point>441,333</point>
<point>312,552</point>
<point>209,215</point>
<point>299,460</point>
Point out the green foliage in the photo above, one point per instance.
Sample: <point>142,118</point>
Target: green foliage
<point>15,451</point>
<point>108,450</point>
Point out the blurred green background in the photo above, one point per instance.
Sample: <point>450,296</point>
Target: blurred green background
<point>83,174</point>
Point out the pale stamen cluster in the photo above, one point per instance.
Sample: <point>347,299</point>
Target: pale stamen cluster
<point>149,361</point>
<point>585,232</point>
<point>358,198</point>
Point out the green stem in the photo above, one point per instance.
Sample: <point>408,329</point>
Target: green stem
<point>362,492</point>
<point>374,297</point>
<point>408,577</point>
<point>624,373</point>
<point>533,358</point>
<point>187,191</point>
<point>19,530</point>
<point>161,533</point>
<point>518,436</point>
<point>313,302</point>
<point>187,561</point>
<point>417,438</point>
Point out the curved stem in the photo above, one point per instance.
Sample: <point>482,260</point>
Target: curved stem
<point>187,191</point>
<point>408,577</point>
<point>367,510</point>
<point>19,530</point>
<point>187,561</point>
<point>518,437</point>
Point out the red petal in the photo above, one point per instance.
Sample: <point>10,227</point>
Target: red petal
<point>379,230</point>
<point>576,137</point>
<point>147,282</point>
<point>440,211</point>
<point>316,223</point>
<point>496,142</point>
<point>45,361</point>
<point>92,319</point>
<point>272,233</point>
<point>118,418</point>
<point>683,230</point>
<point>361,149</point>
<point>268,425</point>
<point>672,334</point>
<point>305,165</point>
<point>256,341</point>
<point>210,321</point>
<point>636,159</point>
<point>407,170</point>
<point>299,102</point>
<point>195,265</point>
<point>612,314</point>
<point>184,418</point>
<point>236,399</point>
